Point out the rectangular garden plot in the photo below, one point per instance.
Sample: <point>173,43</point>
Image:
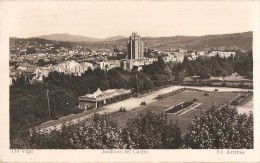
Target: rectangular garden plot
<point>184,116</point>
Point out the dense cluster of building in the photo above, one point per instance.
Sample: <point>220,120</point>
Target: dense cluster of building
<point>221,54</point>
<point>76,60</point>
<point>34,73</point>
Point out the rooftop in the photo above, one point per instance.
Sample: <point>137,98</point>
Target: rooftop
<point>100,95</point>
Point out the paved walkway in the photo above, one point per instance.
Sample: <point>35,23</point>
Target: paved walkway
<point>246,108</point>
<point>189,109</point>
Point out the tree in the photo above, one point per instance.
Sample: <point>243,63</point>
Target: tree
<point>31,51</point>
<point>148,84</point>
<point>204,72</point>
<point>219,128</point>
<point>180,77</point>
<point>64,103</point>
<point>41,62</point>
<point>135,68</point>
<point>159,79</point>
<point>96,132</point>
<point>19,137</point>
<point>152,131</point>
<point>161,61</point>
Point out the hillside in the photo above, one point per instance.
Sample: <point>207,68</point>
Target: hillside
<point>67,37</point>
<point>242,41</point>
<point>114,38</point>
<point>76,38</point>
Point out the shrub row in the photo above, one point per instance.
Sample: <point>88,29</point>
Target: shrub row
<point>179,107</point>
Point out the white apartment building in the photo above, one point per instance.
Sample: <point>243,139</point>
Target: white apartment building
<point>221,54</point>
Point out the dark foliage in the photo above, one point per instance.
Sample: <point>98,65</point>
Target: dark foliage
<point>220,128</point>
<point>214,129</point>
<point>215,66</point>
<point>99,132</point>
<point>179,107</point>
<point>152,131</point>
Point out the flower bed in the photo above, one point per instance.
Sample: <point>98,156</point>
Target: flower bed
<point>179,107</point>
<point>240,99</point>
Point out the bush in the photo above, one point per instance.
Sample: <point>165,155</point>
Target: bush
<point>214,129</point>
<point>97,132</point>
<point>220,128</point>
<point>152,131</point>
<point>148,131</point>
<point>179,107</point>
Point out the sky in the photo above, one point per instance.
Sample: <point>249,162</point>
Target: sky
<point>102,19</point>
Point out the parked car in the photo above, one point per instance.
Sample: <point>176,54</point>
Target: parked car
<point>122,109</point>
<point>195,100</point>
<point>143,103</point>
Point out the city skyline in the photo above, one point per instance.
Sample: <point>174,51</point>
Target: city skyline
<point>127,36</point>
<point>105,19</point>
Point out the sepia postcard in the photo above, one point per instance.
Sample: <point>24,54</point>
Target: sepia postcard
<point>129,81</point>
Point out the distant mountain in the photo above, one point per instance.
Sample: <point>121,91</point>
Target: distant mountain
<point>119,37</point>
<point>68,37</point>
<point>76,38</point>
<point>235,41</point>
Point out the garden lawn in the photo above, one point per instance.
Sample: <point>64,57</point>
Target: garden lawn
<point>183,120</point>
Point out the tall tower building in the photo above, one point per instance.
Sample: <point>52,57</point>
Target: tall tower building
<point>135,47</point>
